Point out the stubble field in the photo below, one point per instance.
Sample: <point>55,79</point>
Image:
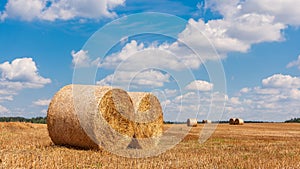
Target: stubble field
<point>263,145</point>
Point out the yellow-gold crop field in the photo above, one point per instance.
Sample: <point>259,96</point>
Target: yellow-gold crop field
<point>252,145</point>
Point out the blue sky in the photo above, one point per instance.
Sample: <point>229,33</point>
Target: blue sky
<point>42,43</point>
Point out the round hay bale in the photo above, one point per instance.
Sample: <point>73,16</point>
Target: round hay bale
<point>64,126</point>
<point>148,119</point>
<point>192,122</point>
<point>239,121</point>
<point>232,121</point>
<point>206,121</point>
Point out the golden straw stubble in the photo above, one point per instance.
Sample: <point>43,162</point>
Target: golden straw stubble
<point>116,108</point>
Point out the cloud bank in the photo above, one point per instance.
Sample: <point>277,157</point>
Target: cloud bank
<point>52,10</point>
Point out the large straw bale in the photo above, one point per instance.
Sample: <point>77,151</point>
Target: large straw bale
<point>65,127</point>
<point>192,122</point>
<point>148,119</point>
<point>232,121</point>
<point>239,121</point>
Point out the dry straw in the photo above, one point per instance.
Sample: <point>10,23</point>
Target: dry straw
<point>64,125</point>
<point>239,121</point>
<point>192,122</point>
<point>148,119</point>
<point>232,121</point>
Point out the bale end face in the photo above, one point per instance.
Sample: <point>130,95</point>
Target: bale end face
<point>148,119</point>
<point>239,121</point>
<point>232,121</point>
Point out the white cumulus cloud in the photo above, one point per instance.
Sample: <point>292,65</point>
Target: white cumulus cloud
<point>128,50</point>
<point>3,110</point>
<point>151,78</point>
<point>42,102</point>
<point>244,23</point>
<point>82,59</point>
<point>169,56</point>
<point>148,78</point>
<point>245,90</point>
<point>281,81</point>
<point>284,11</point>
<point>200,85</point>
<point>235,100</point>
<point>214,31</point>
<point>276,99</point>
<point>252,28</point>
<point>21,73</point>
<point>51,10</point>
<point>23,9</point>
<point>241,27</point>
<point>235,32</point>
<point>295,63</point>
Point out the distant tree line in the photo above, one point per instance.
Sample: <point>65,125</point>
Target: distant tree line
<point>40,120</point>
<point>293,120</point>
<point>43,120</point>
<point>173,122</point>
<point>249,121</point>
<point>221,122</point>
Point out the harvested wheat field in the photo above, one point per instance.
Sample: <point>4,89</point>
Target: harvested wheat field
<point>266,145</point>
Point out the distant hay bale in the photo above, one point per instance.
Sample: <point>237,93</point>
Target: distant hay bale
<point>232,121</point>
<point>148,119</point>
<point>206,121</point>
<point>192,122</point>
<point>239,121</point>
<point>64,126</point>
